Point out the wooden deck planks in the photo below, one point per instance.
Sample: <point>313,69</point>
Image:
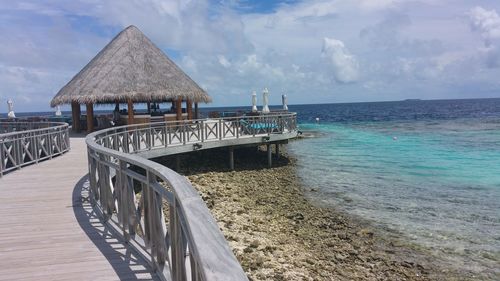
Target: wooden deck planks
<point>48,232</point>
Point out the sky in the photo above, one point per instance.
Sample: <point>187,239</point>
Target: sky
<point>314,51</point>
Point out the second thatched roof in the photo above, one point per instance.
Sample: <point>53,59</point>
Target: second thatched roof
<point>130,67</point>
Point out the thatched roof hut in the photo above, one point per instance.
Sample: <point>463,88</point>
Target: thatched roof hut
<point>130,69</point>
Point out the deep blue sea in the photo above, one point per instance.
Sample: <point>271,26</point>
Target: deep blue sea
<point>427,172</point>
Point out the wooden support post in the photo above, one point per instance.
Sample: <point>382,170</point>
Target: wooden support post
<point>177,163</point>
<point>130,112</point>
<point>277,150</point>
<point>231,158</point>
<point>75,115</point>
<point>178,108</point>
<point>90,117</point>
<point>269,156</point>
<point>189,109</point>
<point>196,112</point>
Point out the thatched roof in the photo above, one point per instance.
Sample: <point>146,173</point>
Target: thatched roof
<point>130,67</point>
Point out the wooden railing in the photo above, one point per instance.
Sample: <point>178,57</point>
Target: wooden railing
<point>24,143</point>
<point>139,197</point>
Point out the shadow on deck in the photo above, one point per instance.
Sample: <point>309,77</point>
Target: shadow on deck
<point>126,264</point>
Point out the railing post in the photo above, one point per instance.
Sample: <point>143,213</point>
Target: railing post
<point>237,128</point>
<point>18,153</point>
<point>59,140</point>
<point>254,129</point>
<point>136,140</point>
<point>94,189</point>
<point>35,144</point>
<point>1,157</point>
<point>178,245</point>
<point>164,132</point>
<point>183,132</point>
<point>149,138</point>
<point>202,124</point>
<point>122,190</point>
<point>125,141</point>
<point>220,129</point>
<point>49,142</point>
<point>106,194</point>
<point>68,142</point>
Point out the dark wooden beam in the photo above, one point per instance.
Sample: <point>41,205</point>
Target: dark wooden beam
<point>178,108</point>
<point>90,117</point>
<point>269,156</point>
<point>231,158</point>
<point>75,115</point>
<point>189,109</point>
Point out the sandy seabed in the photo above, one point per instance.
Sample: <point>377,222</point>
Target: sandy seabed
<point>278,234</point>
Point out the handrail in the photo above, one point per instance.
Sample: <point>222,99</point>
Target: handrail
<point>24,143</point>
<point>192,247</point>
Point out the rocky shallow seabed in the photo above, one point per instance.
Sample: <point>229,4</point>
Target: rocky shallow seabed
<point>278,234</point>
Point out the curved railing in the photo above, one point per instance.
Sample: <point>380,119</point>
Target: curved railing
<point>139,197</point>
<point>24,143</point>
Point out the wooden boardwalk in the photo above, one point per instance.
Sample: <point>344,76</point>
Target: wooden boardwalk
<point>49,232</point>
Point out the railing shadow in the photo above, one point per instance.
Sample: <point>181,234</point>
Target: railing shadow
<point>126,264</point>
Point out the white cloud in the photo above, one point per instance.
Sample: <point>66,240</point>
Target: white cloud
<point>376,4</point>
<point>345,65</point>
<point>487,22</point>
<point>223,61</point>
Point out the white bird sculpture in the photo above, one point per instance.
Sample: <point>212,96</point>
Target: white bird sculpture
<point>284,100</point>
<point>265,95</point>
<point>10,105</point>
<point>254,102</point>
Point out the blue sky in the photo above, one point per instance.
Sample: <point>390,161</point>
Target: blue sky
<point>314,51</point>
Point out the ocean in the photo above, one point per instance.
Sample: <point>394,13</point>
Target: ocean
<point>424,172</point>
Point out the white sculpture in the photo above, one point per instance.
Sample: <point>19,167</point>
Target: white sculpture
<point>254,102</point>
<point>283,99</point>
<point>58,111</point>
<point>265,94</point>
<point>11,113</point>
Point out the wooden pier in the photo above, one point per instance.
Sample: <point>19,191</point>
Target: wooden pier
<point>49,231</point>
<point>76,216</point>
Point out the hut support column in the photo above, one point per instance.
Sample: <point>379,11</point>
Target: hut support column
<point>231,158</point>
<point>277,150</point>
<point>269,156</point>
<point>75,115</point>
<point>178,108</point>
<point>130,112</point>
<point>90,117</point>
<point>189,109</point>
<point>196,113</point>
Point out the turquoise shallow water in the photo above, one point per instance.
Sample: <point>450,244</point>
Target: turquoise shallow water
<point>434,182</point>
